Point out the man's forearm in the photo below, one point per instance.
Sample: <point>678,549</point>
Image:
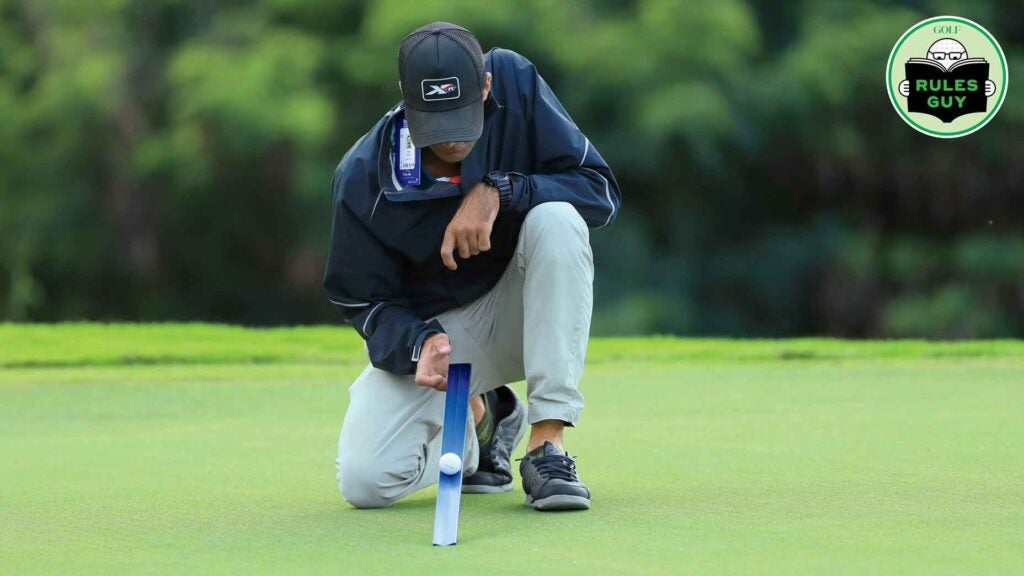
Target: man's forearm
<point>595,195</point>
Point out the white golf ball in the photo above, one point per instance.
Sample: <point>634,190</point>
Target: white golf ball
<point>451,464</point>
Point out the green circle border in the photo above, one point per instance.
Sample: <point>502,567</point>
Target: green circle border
<point>981,123</point>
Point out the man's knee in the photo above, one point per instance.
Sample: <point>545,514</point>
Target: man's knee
<point>369,480</point>
<point>556,218</point>
<point>556,230</point>
<point>363,486</point>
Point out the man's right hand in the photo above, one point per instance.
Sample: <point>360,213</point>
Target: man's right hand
<point>432,368</point>
<point>470,228</point>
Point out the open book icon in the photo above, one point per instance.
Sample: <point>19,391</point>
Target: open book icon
<point>945,93</point>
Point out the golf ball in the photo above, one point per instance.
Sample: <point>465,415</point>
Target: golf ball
<point>451,464</point>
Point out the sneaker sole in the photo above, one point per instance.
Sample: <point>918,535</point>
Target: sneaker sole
<point>484,489</point>
<point>559,502</point>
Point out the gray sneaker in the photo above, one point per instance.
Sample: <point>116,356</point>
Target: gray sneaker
<point>550,480</point>
<point>494,471</point>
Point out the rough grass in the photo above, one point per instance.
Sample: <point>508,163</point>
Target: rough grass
<point>193,449</point>
<point>89,344</point>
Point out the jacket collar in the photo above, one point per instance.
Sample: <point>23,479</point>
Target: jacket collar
<point>473,167</point>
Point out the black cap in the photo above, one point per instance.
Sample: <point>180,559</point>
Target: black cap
<point>441,68</point>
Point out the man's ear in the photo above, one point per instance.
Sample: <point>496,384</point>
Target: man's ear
<point>487,85</point>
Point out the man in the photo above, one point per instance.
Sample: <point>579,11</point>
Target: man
<point>478,252</point>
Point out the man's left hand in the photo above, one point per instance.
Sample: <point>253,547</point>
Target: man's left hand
<point>470,228</point>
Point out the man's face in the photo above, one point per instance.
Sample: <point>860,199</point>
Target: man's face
<point>452,152</point>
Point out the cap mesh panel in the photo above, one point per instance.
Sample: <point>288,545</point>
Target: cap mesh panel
<point>458,34</point>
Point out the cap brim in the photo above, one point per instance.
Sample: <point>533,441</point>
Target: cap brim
<point>464,124</point>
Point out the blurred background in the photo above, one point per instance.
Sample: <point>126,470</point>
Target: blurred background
<point>172,160</point>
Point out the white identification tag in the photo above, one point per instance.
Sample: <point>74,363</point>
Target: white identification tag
<point>407,160</point>
<point>405,155</point>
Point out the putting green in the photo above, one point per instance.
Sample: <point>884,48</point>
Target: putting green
<point>191,449</point>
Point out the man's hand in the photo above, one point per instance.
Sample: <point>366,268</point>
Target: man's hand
<point>470,228</point>
<point>432,368</point>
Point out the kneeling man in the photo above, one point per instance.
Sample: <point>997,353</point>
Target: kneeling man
<point>461,234</point>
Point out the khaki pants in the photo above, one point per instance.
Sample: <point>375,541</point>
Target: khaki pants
<point>533,325</point>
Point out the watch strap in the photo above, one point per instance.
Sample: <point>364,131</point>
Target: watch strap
<point>502,182</point>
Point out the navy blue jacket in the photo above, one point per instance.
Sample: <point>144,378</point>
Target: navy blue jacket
<point>384,270</point>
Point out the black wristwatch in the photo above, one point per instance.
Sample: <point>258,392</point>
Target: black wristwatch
<point>503,183</point>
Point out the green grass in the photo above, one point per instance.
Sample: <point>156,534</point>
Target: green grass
<point>27,346</point>
<point>195,449</point>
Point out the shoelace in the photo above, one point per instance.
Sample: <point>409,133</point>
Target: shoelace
<point>556,466</point>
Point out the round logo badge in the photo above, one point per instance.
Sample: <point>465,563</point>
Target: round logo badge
<point>947,76</point>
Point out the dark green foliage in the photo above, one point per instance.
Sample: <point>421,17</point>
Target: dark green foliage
<point>171,159</point>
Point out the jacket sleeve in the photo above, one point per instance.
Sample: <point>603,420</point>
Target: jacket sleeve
<point>363,280</point>
<point>569,168</point>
